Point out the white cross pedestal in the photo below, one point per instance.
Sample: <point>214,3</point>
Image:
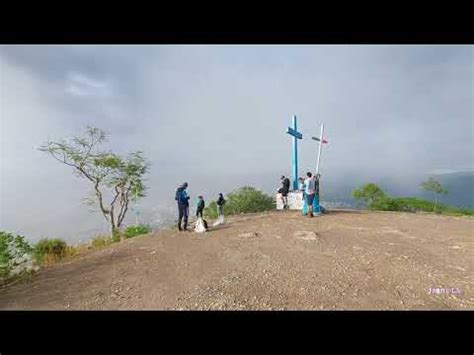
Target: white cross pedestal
<point>295,200</point>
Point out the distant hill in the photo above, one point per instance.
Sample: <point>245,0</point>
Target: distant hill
<point>460,189</point>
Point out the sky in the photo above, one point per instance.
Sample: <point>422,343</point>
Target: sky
<point>216,117</point>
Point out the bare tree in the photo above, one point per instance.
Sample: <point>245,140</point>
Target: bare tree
<point>123,177</point>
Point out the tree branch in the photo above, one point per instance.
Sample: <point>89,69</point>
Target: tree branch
<point>124,204</point>
<point>105,212</point>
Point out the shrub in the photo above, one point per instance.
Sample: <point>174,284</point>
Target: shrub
<point>48,251</point>
<point>101,241</point>
<point>116,235</point>
<point>133,231</point>
<point>246,199</point>
<point>386,204</point>
<point>15,255</point>
<point>371,194</point>
<point>410,204</point>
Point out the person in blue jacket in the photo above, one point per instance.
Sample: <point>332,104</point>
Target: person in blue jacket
<point>183,206</point>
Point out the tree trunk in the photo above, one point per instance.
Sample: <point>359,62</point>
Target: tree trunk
<point>436,202</point>
<point>115,232</point>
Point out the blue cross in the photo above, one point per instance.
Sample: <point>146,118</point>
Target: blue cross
<point>292,131</point>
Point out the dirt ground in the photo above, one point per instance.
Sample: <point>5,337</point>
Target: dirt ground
<point>277,260</point>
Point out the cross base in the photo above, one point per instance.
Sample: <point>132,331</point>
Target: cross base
<point>297,202</point>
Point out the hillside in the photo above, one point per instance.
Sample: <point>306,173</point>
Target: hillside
<point>343,260</point>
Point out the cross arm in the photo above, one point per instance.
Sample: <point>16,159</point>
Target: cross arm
<point>294,133</point>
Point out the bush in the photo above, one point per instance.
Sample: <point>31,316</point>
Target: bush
<point>15,255</point>
<point>243,200</point>
<point>101,241</point>
<point>116,235</point>
<point>133,231</point>
<point>48,251</point>
<point>371,194</point>
<point>386,204</point>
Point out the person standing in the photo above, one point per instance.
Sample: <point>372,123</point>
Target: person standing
<point>200,206</point>
<point>310,190</point>
<point>316,192</point>
<point>300,184</point>
<point>220,208</point>
<point>284,190</point>
<point>183,206</point>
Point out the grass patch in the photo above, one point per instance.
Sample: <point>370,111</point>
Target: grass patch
<point>48,251</point>
<point>412,204</point>
<point>101,241</point>
<point>133,231</point>
<point>376,199</point>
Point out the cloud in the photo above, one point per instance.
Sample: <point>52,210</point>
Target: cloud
<point>216,116</point>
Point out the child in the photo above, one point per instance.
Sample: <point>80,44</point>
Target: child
<point>200,206</point>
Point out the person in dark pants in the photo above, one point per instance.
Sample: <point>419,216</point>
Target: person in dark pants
<point>310,190</point>
<point>183,206</point>
<point>284,190</point>
<point>200,206</point>
<point>220,208</point>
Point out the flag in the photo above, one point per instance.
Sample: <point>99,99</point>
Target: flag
<point>317,139</point>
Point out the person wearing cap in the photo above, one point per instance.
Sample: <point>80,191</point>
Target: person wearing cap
<point>183,206</point>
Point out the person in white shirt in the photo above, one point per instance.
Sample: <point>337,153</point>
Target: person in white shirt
<point>309,191</point>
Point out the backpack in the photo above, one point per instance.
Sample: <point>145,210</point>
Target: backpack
<point>181,196</point>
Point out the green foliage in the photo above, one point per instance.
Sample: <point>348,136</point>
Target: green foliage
<point>433,186</point>
<point>246,199</point>
<point>13,250</point>
<point>412,204</point>
<point>458,211</point>
<point>386,204</point>
<point>133,231</point>
<point>372,195</point>
<point>47,251</point>
<point>210,211</point>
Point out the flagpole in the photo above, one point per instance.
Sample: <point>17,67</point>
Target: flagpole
<point>320,145</point>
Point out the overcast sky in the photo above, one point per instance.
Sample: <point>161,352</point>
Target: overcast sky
<point>216,116</point>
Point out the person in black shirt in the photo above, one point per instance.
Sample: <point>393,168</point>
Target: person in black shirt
<point>284,191</point>
<point>200,206</point>
<point>220,208</point>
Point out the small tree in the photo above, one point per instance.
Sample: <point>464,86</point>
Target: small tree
<point>371,194</point>
<point>435,186</point>
<point>122,177</point>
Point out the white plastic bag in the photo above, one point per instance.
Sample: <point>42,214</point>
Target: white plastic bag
<point>200,227</point>
<point>220,220</point>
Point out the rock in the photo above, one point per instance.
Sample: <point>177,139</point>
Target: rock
<point>305,235</point>
<point>249,235</point>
